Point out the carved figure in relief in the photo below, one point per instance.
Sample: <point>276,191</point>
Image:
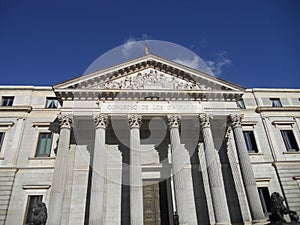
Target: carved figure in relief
<point>140,81</point>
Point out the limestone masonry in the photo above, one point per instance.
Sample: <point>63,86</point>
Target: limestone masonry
<point>133,143</point>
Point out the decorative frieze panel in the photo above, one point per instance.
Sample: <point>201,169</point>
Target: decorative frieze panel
<point>151,79</point>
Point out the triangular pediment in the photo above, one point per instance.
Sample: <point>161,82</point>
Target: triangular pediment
<point>148,73</point>
<point>149,79</point>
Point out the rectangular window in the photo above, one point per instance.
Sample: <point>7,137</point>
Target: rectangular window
<point>7,100</point>
<point>289,140</point>
<point>265,199</point>
<point>2,134</point>
<point>250,141</point>
<point>240,103</point>
<point>44,145</point>
<point>31,203</point>
<point>275,102</point>
<point>51,103</point>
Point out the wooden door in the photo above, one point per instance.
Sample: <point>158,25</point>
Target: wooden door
<point>151,203</point>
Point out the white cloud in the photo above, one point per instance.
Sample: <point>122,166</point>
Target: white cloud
<point>133,44</point>
<point>194,63</point>
<point>217,65</point>
<point>130,44</point>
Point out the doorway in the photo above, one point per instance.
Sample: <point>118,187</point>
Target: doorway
<point>156,203</point>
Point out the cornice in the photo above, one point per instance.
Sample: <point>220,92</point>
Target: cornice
<point>277,109</point>
<point>26,108</point>
<point>7,124</point>
<point>133,94</point>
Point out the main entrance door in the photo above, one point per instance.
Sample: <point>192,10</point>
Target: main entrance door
<point>151,203</point>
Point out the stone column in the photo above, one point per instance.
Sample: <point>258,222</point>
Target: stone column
<point>184,195</point>
<point>60,171</point>
<point>136,182</point>
<point>214,172</point>
<point>98,172</point>
<point>246,169</point>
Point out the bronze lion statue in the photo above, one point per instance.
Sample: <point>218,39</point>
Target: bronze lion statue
<point>39,214</point>
<point>278,210</point>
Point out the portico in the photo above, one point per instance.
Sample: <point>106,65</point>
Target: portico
<point>153,122</point>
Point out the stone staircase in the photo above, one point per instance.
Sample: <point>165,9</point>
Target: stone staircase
<point>6,185</point>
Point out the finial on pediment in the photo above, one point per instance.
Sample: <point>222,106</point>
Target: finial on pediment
<point>146,49</point>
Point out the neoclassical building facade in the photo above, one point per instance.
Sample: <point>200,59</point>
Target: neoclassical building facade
<point>140,141</point>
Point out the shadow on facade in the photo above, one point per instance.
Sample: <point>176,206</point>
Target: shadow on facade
<point>230,189</point>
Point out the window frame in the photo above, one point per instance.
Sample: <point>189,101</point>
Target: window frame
<point>289,142</point>
<point>275,102</point>
<point>253,141</point>
<point>53,99</point>
<point>37,154</point>
<point>241,104</point>
<point>5,127</point>
<point>43,127</point>
<point>265,203</point>
<point>8,99</point>
<point>2,133</point>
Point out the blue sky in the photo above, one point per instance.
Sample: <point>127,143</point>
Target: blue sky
<point>250,43</point>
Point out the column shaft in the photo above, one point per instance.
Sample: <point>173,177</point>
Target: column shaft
<point>185,203</point>
<point>60,172</point>
<point>98,173</point>
<point>246,169</point>
<point>136,182</point>
<point>214,173</point>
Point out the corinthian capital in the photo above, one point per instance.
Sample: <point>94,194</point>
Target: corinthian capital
<point>101,121</point>
<point>205,119</point>
<point>65,121</point>
<point>173,121</point>
<point>134,121</point>
<point>236,120</point>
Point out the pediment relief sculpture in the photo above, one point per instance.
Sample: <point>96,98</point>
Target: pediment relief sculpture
<point>151,79</point>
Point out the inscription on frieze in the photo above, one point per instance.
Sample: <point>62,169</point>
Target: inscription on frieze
<point>153,107</point>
